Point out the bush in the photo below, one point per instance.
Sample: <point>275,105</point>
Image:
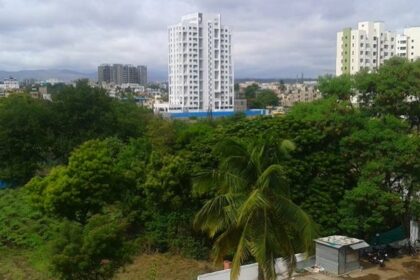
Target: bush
<point>22,225</point>
<point>93,251</point>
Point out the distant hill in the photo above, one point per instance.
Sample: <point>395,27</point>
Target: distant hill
<point>59,74</point>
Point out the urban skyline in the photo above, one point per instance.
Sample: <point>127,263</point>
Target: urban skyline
<point>276,39</point>
<point>122,74</point>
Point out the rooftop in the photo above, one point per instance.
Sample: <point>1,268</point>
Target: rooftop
<point>338,241</point>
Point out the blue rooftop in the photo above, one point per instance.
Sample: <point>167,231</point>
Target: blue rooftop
<point>216,114</point>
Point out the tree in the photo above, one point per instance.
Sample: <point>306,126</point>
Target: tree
<point>318,169</point>
<point>397,90</point>
<point>162,134</point>
<point>25,137</point>
<point>251,90</point>
<point>366,210</point>
<point>169,207</point>
<point>92,179</point>
<point>265,98</point>
<point>365,83</point>
<point>386,156</point>
<point>340,87</point>
<point>251,213</point>
<point>83,113</point>
<point>94,251</point>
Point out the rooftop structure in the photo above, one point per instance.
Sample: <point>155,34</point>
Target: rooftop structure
<point>338,254</point>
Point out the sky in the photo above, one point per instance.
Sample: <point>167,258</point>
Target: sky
<point>271,38</point>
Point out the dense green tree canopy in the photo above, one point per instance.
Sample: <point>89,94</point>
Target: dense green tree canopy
<point>107,175</point>
<point>25,137</point>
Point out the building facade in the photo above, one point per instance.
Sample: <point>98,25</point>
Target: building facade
<point>122,74</point>
<point>10,84</point>
<point>370,45</point>
<point>200,65</point>
<point>366,47</point>
<point>413,42</point>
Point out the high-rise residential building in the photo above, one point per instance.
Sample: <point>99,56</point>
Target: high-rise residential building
<point>200,64</point>
<point>413,42</point>
<point>401,47</point>
<point>368,46</point>
<point>104,73</point>
<point>122,74</point>
<point>142,74</point>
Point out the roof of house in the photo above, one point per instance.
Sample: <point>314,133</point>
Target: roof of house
<point>338,241</point>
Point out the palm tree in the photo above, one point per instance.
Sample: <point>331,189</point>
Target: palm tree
<point>251,214</point>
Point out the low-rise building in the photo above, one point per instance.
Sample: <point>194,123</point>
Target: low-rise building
<point>10,84</point>
<point>294,93</point>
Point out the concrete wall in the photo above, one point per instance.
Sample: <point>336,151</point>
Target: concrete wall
<point>337,261</point>
<point>250,271</point>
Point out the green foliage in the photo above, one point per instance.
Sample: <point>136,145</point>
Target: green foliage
<point>340,87</point>
<point>258,98</point>
<point>22,225</point>
<point>93,251</point>
<point>251,213</point>
<point>397,90</point>
<point>36,134</point>
<point>166,193</point>
<point>367,210</point>
<point>86,185</point>
<point>110,175</point>
<point>25,134</point>
<point>162,134</point>
<point>391,90</point>
<point>265,98</point>
<point>251,91</point>
<point>83,113</point>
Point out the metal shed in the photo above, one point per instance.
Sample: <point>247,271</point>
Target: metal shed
<point>338,254</point>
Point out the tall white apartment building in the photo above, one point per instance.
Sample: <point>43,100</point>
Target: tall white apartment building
<point>412,35</point>
<point>401,47</point>
<point>200,65</point>
<point>368,47</point>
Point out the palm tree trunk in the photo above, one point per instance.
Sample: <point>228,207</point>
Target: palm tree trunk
<point>260,274</point>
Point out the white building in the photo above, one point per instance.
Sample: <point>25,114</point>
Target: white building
<point>413,42</point>
<point>10,84</point>
<point>401,47</point>
<point>200,65</point>
<point>368,47</point>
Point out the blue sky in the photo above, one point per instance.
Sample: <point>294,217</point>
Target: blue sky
<point>272,38</point>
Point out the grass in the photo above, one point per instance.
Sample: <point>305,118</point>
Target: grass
<point>16,264</point>
<point>164,267</point>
